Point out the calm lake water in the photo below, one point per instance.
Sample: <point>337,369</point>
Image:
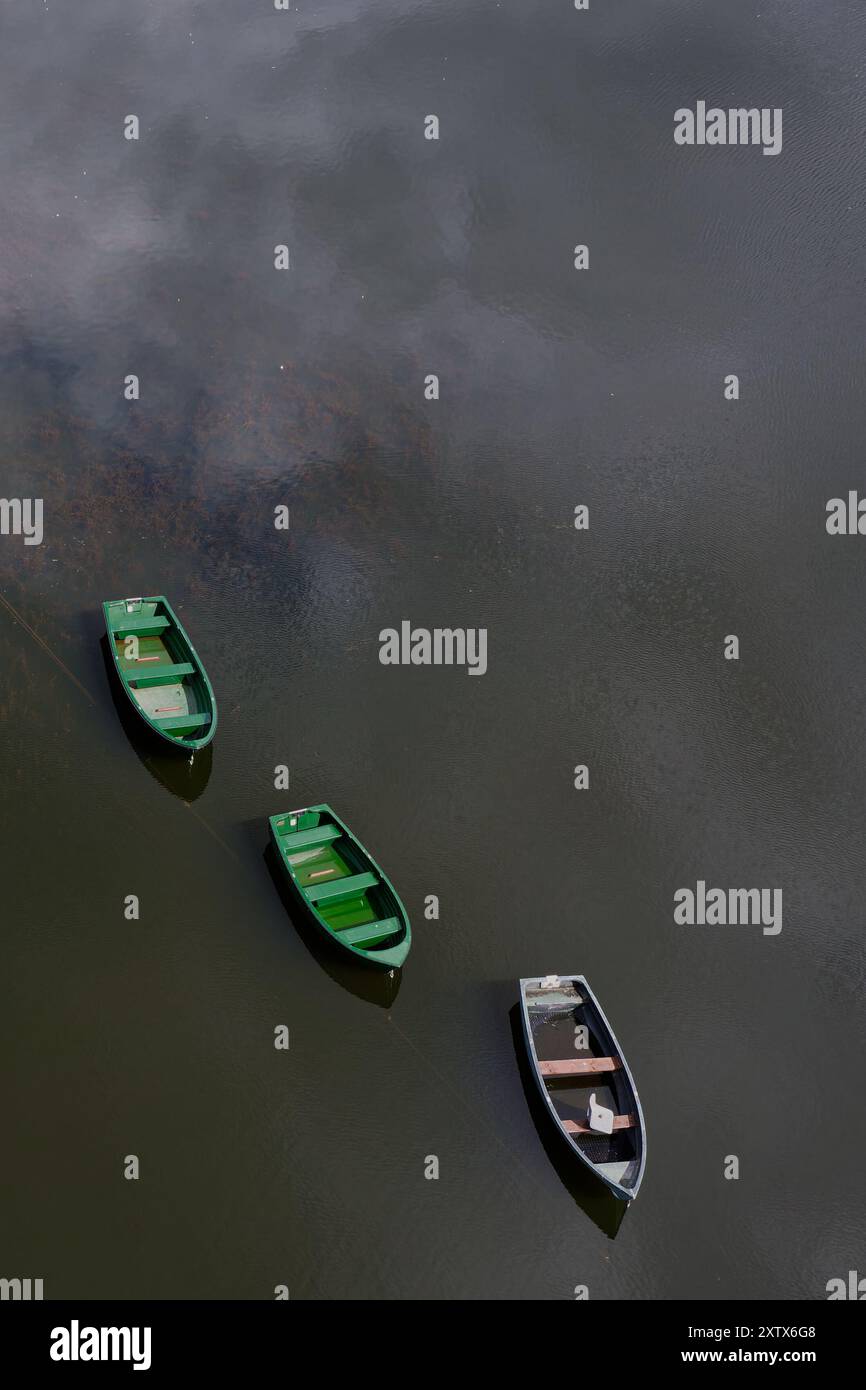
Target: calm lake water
<point>557,388</point>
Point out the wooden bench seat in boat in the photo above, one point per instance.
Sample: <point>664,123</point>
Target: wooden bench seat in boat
<point>370,933</point>
<point>580,1066</point>
<point>181,721</point>
<point>304,839</point>
<point>339,888</point>
<point>140,627</point>
<point>161,675</point>
<point>619,1122</point>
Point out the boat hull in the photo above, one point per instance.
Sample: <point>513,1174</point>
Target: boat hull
<point>160,671</point>
<point>340,888</point>
<point>591,1087</point>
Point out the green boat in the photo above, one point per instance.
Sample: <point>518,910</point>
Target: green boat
<point>160,671</point>
<point>341,886</point>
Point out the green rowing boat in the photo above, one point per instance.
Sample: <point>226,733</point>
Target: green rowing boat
<point>341,886</point>
<point>160,670</point>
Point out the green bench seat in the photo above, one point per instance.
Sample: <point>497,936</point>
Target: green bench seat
<point>140,627</point>
<point>303,839</point>
<point>159,675</point>
<point>370,933</point>
<point>338,888</point>
<point>180,721</point>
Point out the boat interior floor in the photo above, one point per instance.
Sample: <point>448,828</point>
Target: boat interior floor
<point>355,917</point>
<point>158,701</point>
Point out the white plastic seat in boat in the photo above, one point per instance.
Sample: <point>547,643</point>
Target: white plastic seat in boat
<point>599,1117</point>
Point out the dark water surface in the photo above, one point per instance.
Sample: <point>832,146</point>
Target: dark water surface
<point>258,388</point>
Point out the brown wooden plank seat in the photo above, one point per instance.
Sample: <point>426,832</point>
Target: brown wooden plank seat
<point>305,839</point>
<point>167,674</point>
<point>580,1066</point>
<point>619,1122</point>
<point>351,887</point>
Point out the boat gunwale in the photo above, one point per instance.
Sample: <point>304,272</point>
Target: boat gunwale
<point>372,957</point>
<point>193,745</point>
<point>624,1193</point>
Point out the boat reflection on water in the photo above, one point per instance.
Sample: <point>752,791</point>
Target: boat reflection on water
<point>185,776</point>
<point>594,1199</point>
<point>373,986</point>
